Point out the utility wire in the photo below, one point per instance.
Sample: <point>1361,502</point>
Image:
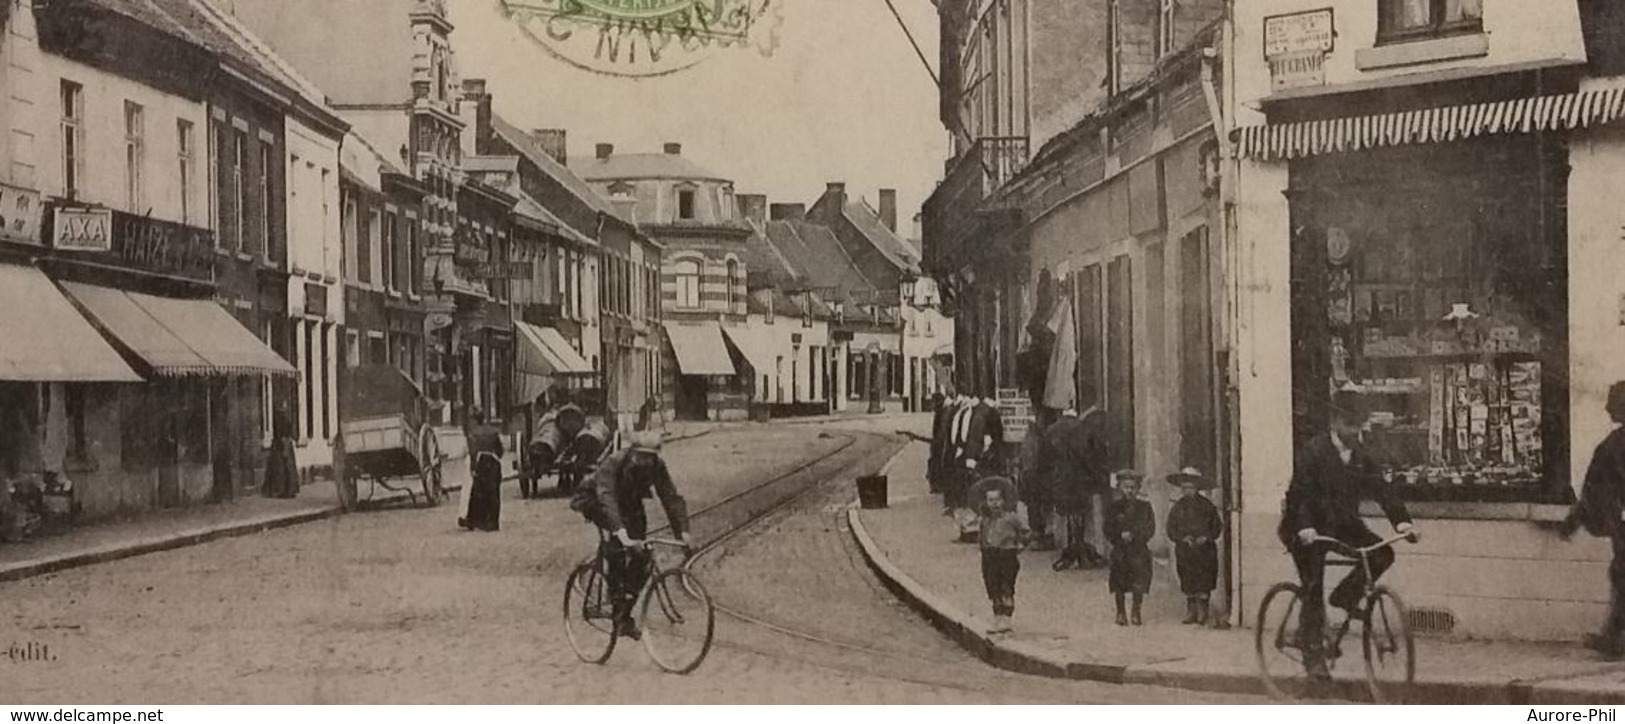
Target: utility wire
<point>910,34</point>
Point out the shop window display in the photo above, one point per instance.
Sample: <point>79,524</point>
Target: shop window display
<point>1442,300</point>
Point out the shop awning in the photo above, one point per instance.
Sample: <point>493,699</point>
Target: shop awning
<point>755,349</point>
<point>178,337</point>
<point>546,352</point>
<point>700,349</point>
<point>46,339</point>
<point>1433,125</point>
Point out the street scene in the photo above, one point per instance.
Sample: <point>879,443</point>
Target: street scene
<point>770,351</point>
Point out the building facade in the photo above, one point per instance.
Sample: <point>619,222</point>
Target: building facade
<point>109,118</point>
<point>383,270</point>
<point>1423,188</point>
<point>698,282</point>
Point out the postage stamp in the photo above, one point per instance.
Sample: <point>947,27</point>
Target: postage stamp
<point>646,38</point>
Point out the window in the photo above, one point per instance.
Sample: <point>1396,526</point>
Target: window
<point>1402,20</point>
<point>73,138</point>
<point>391,226</point>
<point>620,190</point>
<point>352,238</point>
<point>365,246</point>
<point>1165,28</point>
<point>1447,310</point>
<point>352,348</point>
<point>134,155</point>
<point>685,204</point>
<point>185,145</point>
<point>414,271</point>
<point>267,200</point>
<point>733,276</point>
<point>239,190</point>
<point>688,284</point>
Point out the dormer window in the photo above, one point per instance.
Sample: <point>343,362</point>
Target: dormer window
<point>685,204</point>
<point>1402,20</point>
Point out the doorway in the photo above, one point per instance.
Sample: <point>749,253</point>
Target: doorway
<point>691,394</point>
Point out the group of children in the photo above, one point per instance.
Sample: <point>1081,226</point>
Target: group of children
<point>1194,526</point>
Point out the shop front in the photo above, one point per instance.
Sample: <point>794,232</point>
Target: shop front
<point>1431,276</point>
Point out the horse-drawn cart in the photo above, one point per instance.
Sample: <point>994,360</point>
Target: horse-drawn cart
<point>385,438</point>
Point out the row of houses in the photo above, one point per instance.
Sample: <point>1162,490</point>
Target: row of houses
<point>1251,204</point>
<point>214,209</point>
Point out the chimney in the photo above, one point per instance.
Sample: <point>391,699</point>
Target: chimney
<point>753,207</point>
<point>674,149</point>
<point>836,188</point>
<point>476,101</point>
<point>552,141</point>
<point>605,150</point>
<point>788,212</point>
<point>888,209</point>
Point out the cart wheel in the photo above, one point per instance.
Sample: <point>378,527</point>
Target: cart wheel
<point>344,479</point>
<point>429,465</point>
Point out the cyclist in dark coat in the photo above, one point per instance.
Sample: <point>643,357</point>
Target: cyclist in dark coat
<point>612,499</point>
<point>1600,510</point>
<point>1331,477</point>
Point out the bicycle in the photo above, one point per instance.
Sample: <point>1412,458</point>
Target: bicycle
<point>673,608</point>
<point>1385,637</point>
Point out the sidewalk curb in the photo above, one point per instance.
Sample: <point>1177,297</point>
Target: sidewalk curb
<point>186,539</point>
<point>119,551</point>
<point>1021,658</point>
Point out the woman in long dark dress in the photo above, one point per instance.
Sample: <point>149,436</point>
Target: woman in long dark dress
<point>1194,525</point>
<point>484,509</point>
<point>1130,523</point>
<point>281,468</point>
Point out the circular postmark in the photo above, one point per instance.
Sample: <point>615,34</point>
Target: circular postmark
<point>646,38</point>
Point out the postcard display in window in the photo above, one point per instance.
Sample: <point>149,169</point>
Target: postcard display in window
<point>1438,305</point>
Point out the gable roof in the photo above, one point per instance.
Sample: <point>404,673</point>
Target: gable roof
<point>211,28</point>
<point>522,142</point>
<point>817,256</point>
<point>868,223</point>
<point>765,263</point>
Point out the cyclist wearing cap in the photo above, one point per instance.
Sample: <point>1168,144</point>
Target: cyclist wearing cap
<point>1331,477</point>
<point>612,499</point>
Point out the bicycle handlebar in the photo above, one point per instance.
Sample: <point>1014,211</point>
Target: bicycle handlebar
<point>667,542</point>
<point>1357,552</point>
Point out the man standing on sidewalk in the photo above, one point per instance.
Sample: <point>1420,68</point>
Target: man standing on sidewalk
<point>1600,509</point>
<point>1080,476</point>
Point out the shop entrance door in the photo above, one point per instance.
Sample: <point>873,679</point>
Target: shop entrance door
<point>691,392</point>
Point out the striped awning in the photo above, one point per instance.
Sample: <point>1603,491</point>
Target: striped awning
<point>178,337</point>
<point>1432,125</point>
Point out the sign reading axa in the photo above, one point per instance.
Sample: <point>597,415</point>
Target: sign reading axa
<point>137,242</point>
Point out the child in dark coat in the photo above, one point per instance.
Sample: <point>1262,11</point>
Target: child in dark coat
<point>1194,525</point>
<point>1003,534</point>
<point>1130,523</point>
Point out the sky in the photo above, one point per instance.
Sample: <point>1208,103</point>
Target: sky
<point>842,98</point>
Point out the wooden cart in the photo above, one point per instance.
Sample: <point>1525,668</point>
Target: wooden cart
<point>385,438</point>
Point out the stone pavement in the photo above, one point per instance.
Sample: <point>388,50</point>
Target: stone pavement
<point>169,529</point>
<point>1064,624</point>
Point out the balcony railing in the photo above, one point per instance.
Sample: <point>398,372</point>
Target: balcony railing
<point>971,178</point>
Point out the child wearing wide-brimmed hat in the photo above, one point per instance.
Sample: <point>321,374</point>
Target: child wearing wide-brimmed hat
<point>1130,523</point>
<point>1194,525</point>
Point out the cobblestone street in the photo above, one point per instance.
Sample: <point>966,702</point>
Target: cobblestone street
<point>401,606</point>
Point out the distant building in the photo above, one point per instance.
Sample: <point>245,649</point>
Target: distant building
<point>701,284</point>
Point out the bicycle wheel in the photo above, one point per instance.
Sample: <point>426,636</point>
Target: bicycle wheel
<point>589,613</point>
<point>678,621</point>
<point>1275,639</point>
<point>1390,652</point>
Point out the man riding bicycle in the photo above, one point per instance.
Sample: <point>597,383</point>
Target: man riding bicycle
<point>1330,479</point>
<point>612,499</point>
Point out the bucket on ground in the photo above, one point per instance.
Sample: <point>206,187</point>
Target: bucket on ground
<point>872,491</point>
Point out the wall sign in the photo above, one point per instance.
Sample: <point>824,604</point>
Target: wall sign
<point>1295,46</point>
<point>1311,31</point>
<point>19,215</point>
<point>82,230</point>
